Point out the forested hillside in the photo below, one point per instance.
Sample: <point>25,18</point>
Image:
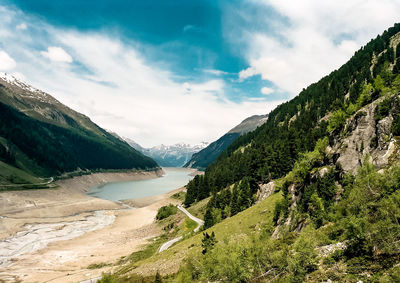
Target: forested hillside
<point>209,154</point>
<point>295,126</point>
<point>324,175</point>
<point>43,138</point>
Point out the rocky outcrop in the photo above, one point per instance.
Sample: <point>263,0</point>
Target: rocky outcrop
<point>265,191</point>
<point>365,135</point>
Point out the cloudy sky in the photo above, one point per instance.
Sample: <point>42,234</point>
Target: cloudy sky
<point>165,71</point>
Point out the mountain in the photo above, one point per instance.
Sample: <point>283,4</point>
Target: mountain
<point>134,144</point>
<point>312,195</point>
<point>175,155</point>
<point>42,137</point>
<point>327,163</point>
<point>209,154</point>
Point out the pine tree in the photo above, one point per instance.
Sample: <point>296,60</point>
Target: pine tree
<point>208,242</point>
<point>396,68</point>
<point>235,207</point>
<point>390,55</point>
<point>158,278</point>
<point>208,218</point>
<point>398,51</point>
<point>191,192</point>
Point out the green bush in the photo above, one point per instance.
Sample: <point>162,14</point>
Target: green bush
<point>383,109</point>
<point>396,126</point>
<point>337,120</point>
<point>165,211</point>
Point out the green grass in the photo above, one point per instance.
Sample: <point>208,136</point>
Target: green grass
<point>97,265</point>
<point>11,175</point>
<point>190,225</point>
<point>198,209</point>
<point>179,196</point>
<point>245,223</point>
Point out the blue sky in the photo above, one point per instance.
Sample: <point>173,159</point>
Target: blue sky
<point>186,37</point>
<point>165,71</point>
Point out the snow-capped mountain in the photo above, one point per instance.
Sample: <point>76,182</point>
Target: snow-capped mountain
<point>41,137</point>
<point>175,155</point>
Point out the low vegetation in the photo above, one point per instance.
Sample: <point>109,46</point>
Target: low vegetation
<point>322,223</point>
<point>165,211</point>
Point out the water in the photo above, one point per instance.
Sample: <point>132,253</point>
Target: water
<point>174,178</point>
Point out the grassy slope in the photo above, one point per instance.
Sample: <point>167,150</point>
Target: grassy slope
<point>198,209</point>
<point>10,174</point>
<point>247,222</point>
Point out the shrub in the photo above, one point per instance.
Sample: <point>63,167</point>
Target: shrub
<point>374,142</point>
<point>396,126</point>
<point>337,120</point>
<point>383,109</point>
<point>165,211</point>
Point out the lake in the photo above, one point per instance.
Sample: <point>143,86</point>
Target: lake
<point>174,178</point>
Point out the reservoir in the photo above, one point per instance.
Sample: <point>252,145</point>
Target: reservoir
<point>174,178</point>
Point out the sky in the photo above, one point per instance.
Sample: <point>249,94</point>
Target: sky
<point>165,71</point>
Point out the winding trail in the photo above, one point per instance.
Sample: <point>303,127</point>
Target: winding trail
<point>199,222</point>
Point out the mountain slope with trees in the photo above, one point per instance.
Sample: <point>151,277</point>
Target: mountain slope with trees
<point>294,127</point>
<point>208,155</point>
<point>44,138</point>
<point>313,195</point>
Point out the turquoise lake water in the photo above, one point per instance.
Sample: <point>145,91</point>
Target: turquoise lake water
<point>174,178</point>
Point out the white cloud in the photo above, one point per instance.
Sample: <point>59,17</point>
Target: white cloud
<point>215,72</point>
<point>320,36</point>
<point>57,54</point>
<point>266,90</point>
<point>119,90</point>
<point>22,26</point>
<point>6,62</point>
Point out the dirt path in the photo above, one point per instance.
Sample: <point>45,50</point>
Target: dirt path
<point>200,223</point>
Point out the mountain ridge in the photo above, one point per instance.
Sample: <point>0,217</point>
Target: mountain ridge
<point>210,153</point>
<point>43,137</point>
<point>176,155</point>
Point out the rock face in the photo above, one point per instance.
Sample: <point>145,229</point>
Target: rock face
<point>266,190</point>
<point>367,133</point>
<point>363,135</point>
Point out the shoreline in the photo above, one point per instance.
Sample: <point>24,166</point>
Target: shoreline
<point>67,260</point>
<point>86,182</point>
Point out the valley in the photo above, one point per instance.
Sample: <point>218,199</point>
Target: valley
<point>65,230</point>
<point>117,164</point>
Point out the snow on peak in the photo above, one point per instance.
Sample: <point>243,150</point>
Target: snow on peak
<point>11,79</point>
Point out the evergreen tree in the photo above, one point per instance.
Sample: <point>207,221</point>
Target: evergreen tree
<point>208,242</point>
<point>235,206</point>
<point>398,51</point>
<point>208,218</point>
<point>390,55</point>
<point>396,68</point>
<point>158,278</point>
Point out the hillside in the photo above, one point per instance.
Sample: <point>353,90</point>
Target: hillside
<point>209,154</point>
<point>320,178</point>
<point>43,138</point>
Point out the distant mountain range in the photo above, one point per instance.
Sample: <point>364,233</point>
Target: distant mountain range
<point>41,137</point>
<point>210,153</point>
<point>175,155</point>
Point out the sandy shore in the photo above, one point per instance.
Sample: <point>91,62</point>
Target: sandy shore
<point>67,260</point>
